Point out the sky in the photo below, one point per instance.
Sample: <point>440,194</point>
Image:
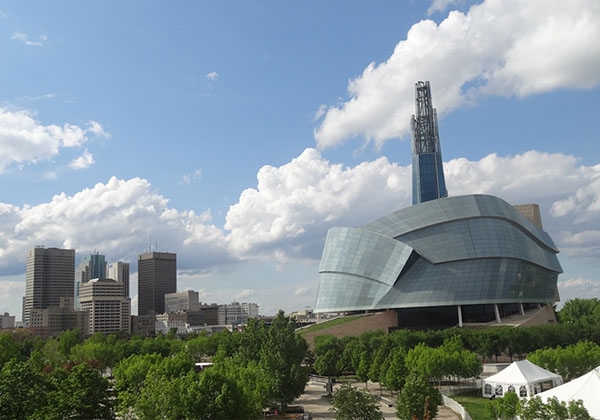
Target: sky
<point>236,133</point>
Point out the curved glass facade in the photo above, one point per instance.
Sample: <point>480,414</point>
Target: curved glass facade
<point>474,249</point>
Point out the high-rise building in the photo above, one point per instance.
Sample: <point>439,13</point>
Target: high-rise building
<point>92,266</point>
<point>109,309</point>
<point>157,276</point>
<point>428,172</point>
<point>119,271</point>
<point>50,275</point>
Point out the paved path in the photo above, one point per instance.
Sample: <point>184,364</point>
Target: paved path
<point>319,407</point>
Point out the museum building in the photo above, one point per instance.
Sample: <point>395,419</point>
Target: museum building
<point>444,260</point>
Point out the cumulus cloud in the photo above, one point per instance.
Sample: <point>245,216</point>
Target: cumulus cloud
<point>83,162</point>
<point>212,75</point>
<point>500,47</point>
<point>115,218</point>
<point>293,205</point>
<point>24,38</point>
<point>289,212</point>
<point>24,140</point>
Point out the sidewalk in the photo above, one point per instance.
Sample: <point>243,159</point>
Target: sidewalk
<point>319,407</point>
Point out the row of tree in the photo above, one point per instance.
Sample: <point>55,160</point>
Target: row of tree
<point>153,378</point>
<point>380,357</point>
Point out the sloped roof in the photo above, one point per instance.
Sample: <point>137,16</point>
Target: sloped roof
<point>585,388</point>
<point>521,373</point>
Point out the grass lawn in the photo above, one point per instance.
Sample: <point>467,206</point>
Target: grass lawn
<point>327,324</point>
<point>474,403</point>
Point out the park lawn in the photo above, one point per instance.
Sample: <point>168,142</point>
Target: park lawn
<point>474,403</point>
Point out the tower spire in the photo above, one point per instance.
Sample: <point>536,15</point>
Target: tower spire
<point>428,171</point>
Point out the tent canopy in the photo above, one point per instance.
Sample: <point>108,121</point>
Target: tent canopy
<point>523,377</point>
<point>585,388</point>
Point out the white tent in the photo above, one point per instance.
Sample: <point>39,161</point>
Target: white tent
<point>585,388</point>
<point>523,377</point>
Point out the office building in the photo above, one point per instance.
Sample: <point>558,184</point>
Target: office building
<point>157,276</point>
<point>7,321</point>
<point>185,301</point>
<point>50,276</point>
<point>51,321</point>
<point>91,266</point>
<point>452,260</point>
<point>119,271</point>
<point>237,313</point>
<point>109,310</point>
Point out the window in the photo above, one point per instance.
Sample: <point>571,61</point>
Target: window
<point>523,391</point>
<point>487,389</point>
<point>499,390</point>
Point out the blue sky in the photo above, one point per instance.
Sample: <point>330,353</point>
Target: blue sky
<point>236,133</point>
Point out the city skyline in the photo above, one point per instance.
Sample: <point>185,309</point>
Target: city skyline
<point>235,134</point>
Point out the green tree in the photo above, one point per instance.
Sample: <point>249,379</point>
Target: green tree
<point>130,375</point>
<point>350,354</point>
<point>362,373</point>
<point>577,411</point>
<point>9,350</point>
<point>327,350</point>
<point>326,364</point>
<point>508,406</point>
<point>83,395</point>
<point>394,376</point>
<point>577,311</point>
<point>23,391</point>
<point>349,403</point>
<point>533,409</point>
<point>282,354</point>
<point>418,400</point>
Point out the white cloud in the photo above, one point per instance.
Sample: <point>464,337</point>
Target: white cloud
<point>441,6</point>
<point>116,218</point>
<point>24,140</point>
<point>194,176</point>
<point>290,210</point>
<point>500,47</point>
<point>83,162</point>
<point>578,287</point>
<point>302,291</point>
<point>96,128</point>
<point>212,75</point>
<point>245,294</point>
<point>24,38</point>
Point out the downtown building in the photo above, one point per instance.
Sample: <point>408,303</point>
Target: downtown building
<point>49,277</point>
<point>157,276</point>
<point>108,308</point>
<point>443,261</point>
